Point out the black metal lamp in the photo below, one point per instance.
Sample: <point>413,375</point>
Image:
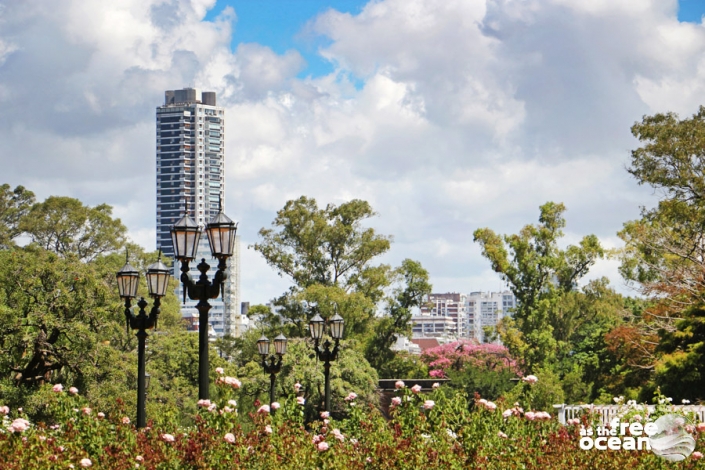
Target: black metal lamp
<point>280,344</point>
<point>324,352</point>
<point>185,235</point>
<point>157,278</point>
<point>263,346</point>
<point>337,325</point>
<point>272,365</point>
<point>221,232</point>
<point>316,326</point>
<point>128,279</point>
<point>157,282</point>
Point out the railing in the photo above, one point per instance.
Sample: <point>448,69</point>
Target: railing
<point>608,412</point>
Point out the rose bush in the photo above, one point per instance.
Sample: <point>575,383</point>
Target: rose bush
<point>426,430</point>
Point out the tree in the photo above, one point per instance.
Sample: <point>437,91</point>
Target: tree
<point>14,205</point>
<point>327,254</point>
<point>65,226</point>
<point>411,285</point>
<point>539,274</point>
<point>487,369</point>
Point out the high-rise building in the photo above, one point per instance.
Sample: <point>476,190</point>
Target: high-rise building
<point>191,176</point>
<point>484,310</point>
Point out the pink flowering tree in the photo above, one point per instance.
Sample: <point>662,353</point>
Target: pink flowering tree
<point>487,369</point>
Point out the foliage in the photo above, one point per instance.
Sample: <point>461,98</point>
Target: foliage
<point>433,430</point>
<point>65,226</point>
<point>679,370</point>
<point>486,369</point>
<point>539,274</point>
<point>411,285</point>
<point>350,372</point>
<point>14,206</point>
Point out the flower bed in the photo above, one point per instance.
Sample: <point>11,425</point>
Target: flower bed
<point>433,430</point>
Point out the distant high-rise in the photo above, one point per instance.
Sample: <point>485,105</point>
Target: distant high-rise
<point>191,173</point>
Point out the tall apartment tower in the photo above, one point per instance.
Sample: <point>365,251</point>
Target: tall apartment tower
<point>191,174</point>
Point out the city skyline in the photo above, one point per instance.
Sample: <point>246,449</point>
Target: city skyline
<point>445,116</point>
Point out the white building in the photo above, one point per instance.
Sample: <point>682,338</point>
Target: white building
<point>190,172</point>
<point>485,309</point>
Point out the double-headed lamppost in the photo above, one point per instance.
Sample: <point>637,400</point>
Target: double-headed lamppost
<point>157,281</point>
<point>272,364</point>
<point>326,354</point>
<point>185,235</point>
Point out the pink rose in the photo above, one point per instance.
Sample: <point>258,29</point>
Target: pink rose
<point>338,435</point>
<point>317,438</point>
<point>275,405</point>
<point>490,406</point>
<point>435,385</point>
<point>416,389</point>
<point>399,384</point>
<point>58,388</point>
<point>300,400</point>
<point>297,387</point>
<point>268,429</point>
<point>325,414</point>
<point>219,370</point>
<point>530,415</point>
<point>530,379</point>
<point>507,413</point>
<point>263,409</point>
<point>351,396</point>
<point>232,403</point>
<point>73,391</point>
<point>125,420</point>
<point>101,415</point>
<point>502,435</point>
<point>428,404</point>
<point>396,401</point>
<point>322,446</point>
<point>700,427</point>
<point>696,455</point>
<point>4,410</point>
<point>203,403</point>
<point>139,458</point>
<point>86,411</point>
<point>85,463</point>
<point>168,437</point>
<point>230,438</point>
<point>19,425</point>
<point>232,381</point>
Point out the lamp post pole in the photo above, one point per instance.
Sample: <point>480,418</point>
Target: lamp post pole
<point>272,365</point>
<point>157,282</point>
<point>185,235</point>
<point>326,354</point>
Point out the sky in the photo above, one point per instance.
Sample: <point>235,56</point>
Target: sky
<point>445,115</point>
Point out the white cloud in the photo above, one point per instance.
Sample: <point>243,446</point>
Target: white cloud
<point>446,115</point>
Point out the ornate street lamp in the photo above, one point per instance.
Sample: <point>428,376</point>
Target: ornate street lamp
<point>157,282</point>
<point>272,365</point>
<point>326,354</point>
<point>185,235</point>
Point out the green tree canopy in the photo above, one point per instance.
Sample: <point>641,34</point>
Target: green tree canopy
<point>539,274</point>
<point>65,226</point>
<point>14,206</point>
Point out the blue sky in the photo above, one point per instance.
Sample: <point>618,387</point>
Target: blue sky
<point>281,26</point>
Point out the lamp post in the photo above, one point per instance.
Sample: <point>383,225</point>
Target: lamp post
<point>157,282</point>
<point>272,365</point>
<point>326,354</point>
<point>185,235</point>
